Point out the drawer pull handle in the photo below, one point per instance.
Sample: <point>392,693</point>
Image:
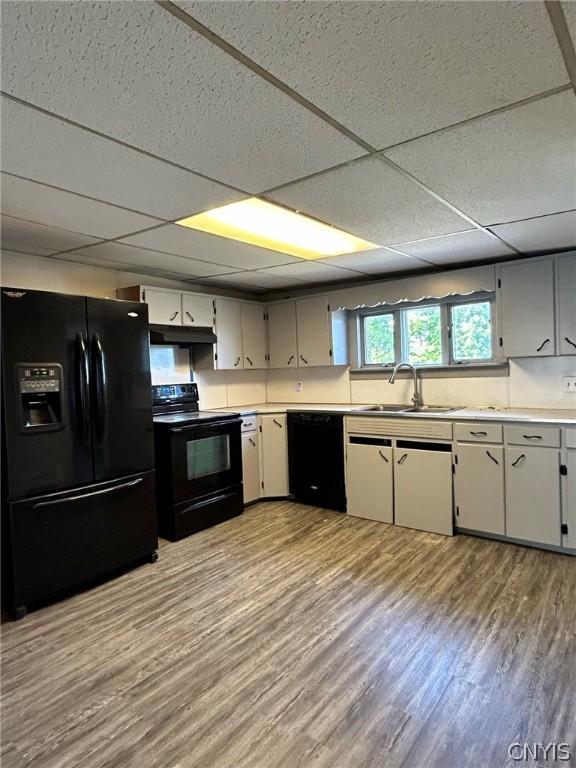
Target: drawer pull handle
<point>479,434</point>
<point>303,359</point>
<point>541,347</point>
<point>492,457</point>
<point>250,361</point>
<point>532,437</point>
<point>384,457</point>
<point>402,458</point>
<point>190,316</point>
<point>174,315</point>
<point>236,363</point>
<point>278,424</point>
<point>570,341</point>
<point>519,459</point>
<point>247,423</point>
<point>290,359</point>
<point>251,441</point>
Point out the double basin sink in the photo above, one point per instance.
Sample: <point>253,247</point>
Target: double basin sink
<point>408,409</point>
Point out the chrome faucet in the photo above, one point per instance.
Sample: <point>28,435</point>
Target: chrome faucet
<point>416,398</point>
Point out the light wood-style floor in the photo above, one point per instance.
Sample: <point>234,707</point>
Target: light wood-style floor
<point>293,637</point>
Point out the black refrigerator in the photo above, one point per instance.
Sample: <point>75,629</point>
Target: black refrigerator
<point>77,443</point>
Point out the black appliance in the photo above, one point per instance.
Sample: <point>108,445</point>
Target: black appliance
<point>316,459</point>
<point>77,442</point>
<point>198,462</point>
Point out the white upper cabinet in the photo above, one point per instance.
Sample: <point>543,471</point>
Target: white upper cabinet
<point>254,335</point>
<point>566,300</point>
<point>229,348</point>
<point>282,337</point>
<point>526,292</point>
<point>197,310</point>
<point>313,325</point>
<point>164,307</point>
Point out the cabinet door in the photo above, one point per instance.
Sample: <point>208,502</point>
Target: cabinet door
<point>313,325</point>
<point>274,455</point>
<point>282,343</point>
<point>250,466</point>
<point>164,307</point>
<point>229,332</point>
<point>369,484</point>
<point>197,310</point>
<point>527,308</point>
<point>254,335</point>
<point>567,304</point>
<point>423,490</point>
<point>533,494</point>
<point>569,515</point>
<point>479,488</point>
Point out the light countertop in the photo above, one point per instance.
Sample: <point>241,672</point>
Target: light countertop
<point>536,415</point>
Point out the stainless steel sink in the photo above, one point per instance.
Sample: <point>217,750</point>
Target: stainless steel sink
<point>430,409</point>
<point>385,408</point>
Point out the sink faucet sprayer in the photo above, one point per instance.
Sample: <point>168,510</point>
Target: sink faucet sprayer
<point>416,398</point>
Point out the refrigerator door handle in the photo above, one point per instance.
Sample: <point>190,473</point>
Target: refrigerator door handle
<point>81,496</point>
<point>99,379</point>
<point>82,382</point>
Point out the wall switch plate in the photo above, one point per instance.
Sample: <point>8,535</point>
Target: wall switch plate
<point>299,386</point>
<point>569,384</point>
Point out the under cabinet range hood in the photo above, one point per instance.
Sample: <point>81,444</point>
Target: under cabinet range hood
<point>183,336</point>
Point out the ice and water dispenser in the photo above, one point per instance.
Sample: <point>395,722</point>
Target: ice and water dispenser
<point>40,388</point>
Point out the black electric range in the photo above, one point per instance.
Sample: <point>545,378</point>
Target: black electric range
<point>198,462</point>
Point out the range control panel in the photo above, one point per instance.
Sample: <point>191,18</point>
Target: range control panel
<point>39,380</point>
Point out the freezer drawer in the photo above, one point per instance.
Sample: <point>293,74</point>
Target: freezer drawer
<point>62,540</point>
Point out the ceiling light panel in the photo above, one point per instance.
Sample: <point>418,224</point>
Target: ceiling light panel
<point>514,165</point>
<point>391,71</point>
<point>45,205</point>
<point>265,225</point>
<point>157,85</point>
<point>183,241</point>
<point>43,148</point>
<point>545,233</point>
<point>374,201</point>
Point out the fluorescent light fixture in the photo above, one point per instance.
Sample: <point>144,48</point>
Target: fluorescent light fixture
<point>276,228</point>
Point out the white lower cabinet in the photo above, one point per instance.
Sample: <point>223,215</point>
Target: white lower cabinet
<point>479,488</point>
<point>274,461</point>
<point>533,494</point>
<point>250,466</point>
<point>369,481</point>
<point>423,489</point>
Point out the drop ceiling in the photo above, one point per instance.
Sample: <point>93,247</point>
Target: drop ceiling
<point>445,133</point>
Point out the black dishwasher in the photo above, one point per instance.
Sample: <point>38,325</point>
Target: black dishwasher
<point>316,459</point>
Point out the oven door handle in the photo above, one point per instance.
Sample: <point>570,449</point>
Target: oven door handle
<point>209,424</point>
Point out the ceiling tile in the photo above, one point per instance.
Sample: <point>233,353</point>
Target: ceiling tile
<point>373,201</point>
<point>141,257</point>
<point>241,281</point>
<point>462,247</point>
<point>133,71</point>
<point>45,205</point>
<point>79,257</point>
<point>514,165</point>
<point>379,262</point>
<point>547,233</point>
<point>184,241</point>
<point>312,272</point>
<point>38,239</point>
<point>259,280</point>
<point>395,70</point>
<point>43,148</point>
<point>569,9</point>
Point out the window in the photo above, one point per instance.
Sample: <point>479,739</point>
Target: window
<point>450,332</point>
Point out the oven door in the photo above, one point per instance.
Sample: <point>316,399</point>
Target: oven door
<point>205,458</point>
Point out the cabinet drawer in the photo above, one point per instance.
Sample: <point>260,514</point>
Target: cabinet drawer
<point>478,433</point>
<point>526,434</point>
<point>400,427</point>
<point>249,423</point>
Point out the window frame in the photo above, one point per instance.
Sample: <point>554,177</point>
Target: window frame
<point>400,338</point>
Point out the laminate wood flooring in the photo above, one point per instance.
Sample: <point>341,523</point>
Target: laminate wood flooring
<point>294,637</point>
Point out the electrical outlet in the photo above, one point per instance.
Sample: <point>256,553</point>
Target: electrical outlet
<point>569,384</point>
<point>299,386</point>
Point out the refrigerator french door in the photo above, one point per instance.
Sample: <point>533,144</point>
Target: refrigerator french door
<point>78,495</point>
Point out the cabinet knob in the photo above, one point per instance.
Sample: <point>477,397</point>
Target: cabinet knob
<point>541,347</point>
